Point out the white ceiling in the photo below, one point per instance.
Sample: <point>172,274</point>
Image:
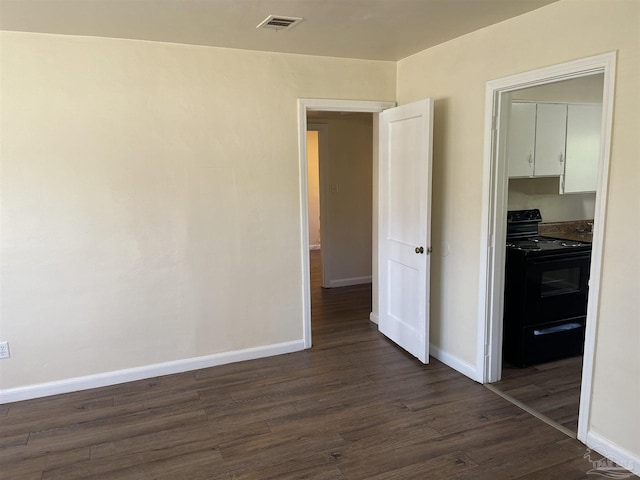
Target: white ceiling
<point>368,29</point>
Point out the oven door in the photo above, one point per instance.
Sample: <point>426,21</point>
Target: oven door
<point>556,287</point>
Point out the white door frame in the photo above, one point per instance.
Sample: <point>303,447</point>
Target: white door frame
<point>494,201</point>
<point>325,105</point>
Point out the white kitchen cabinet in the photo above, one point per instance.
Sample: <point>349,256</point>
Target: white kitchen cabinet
<point>551,132</point>
<point>536,139</point>
<point>583,148</point>
<point>555,140</point>
<point>521,139</point>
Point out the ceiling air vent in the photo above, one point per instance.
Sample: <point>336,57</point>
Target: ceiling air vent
<point>278,22</point>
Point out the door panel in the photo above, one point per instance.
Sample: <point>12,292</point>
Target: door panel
<point>404,231</point>
<point>403,282</point>
<point>404,201</point>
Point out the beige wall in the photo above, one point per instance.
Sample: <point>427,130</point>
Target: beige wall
<point>577,90</point>
<point>455,75</point>
<point>150,199</point>
<point>347,197</point>
<point>313,187</point>
<point>542,193</point>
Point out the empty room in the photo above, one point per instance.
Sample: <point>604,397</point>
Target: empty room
<point>172,307</point>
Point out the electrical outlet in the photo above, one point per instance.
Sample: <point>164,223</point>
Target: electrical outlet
<point>4,350</point>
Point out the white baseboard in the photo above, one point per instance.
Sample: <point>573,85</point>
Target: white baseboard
<point>373,317</point>
<point>619,455</point>
<point>345,282</point>
<point>147,371</point>
<point>454,362</point>
<point>314,247</point>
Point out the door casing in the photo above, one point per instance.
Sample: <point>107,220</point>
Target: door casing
<point>494,207</point>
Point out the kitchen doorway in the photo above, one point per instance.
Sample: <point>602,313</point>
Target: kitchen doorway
<point>552,156</point>
<point>499,97</point>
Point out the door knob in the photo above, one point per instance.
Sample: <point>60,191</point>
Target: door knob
<point>419,250</point>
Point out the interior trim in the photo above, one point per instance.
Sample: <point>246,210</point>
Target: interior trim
<point>454,362</point>
<point>147,371</point>
<point>619,455</point>
<point>347,282</point>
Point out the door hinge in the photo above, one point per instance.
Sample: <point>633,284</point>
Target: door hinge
<point>429,250</point>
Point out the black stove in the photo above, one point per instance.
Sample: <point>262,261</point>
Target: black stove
<point>546,289</point>
<point>522,234</point>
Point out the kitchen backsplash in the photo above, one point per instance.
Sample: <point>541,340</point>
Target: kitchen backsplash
<point>580,230</point>
<point>542,193</point>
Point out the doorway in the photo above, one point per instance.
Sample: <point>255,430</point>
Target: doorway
<point>317,148</point>
<point>402,145</point>
<point>495,204</point>
<point>323,105</point>
<point>560,122</point>
<point>340,171</point>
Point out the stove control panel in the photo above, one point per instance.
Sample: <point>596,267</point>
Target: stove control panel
<point>518,216</point>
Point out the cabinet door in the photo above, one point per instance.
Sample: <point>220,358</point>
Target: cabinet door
<point>551,131</point>
<point>521,139</point>
<point>583,148</point>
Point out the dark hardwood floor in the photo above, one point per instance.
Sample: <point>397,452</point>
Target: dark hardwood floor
<point>353,407</point>
<point>552,389</point>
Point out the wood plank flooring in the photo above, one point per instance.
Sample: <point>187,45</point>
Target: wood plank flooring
<point>552,389</point>
<point>353,407</point>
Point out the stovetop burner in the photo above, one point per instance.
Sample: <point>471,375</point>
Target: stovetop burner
<point>538,243</point>
<point>522,234</point>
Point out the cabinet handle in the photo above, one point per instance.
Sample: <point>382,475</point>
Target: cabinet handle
<point>561,157</point>
<point>530,158</point>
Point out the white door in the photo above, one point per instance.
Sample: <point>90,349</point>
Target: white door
<point>404,225</point>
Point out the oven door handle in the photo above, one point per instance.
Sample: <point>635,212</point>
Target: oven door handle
<point>557,328</point>
<point>562,259</point>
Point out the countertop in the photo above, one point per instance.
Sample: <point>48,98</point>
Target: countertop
<point>577,230</point>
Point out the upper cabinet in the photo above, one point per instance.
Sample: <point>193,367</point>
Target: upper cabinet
<point>583,148</point>
<point>555,140</point>
<point>521,139</point>
<point>551,134</point>
<point>536,139</point>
